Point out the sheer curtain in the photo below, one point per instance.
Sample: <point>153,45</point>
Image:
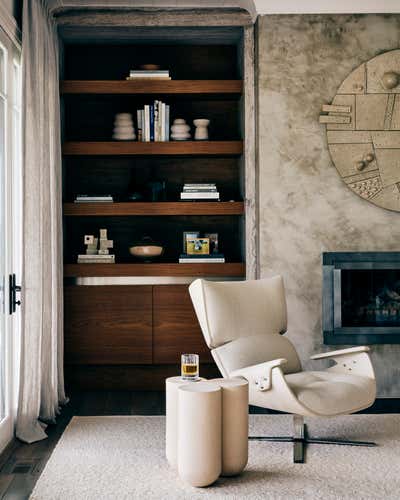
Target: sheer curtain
<point>42,382</point>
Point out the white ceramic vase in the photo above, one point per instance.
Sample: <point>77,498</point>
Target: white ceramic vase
<point>180,130</point>
<point>201,132</point>
<point>123,127</point>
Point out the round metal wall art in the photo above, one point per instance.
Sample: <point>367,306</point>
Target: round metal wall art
<point>363,130</point>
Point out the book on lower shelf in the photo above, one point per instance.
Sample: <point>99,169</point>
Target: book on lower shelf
<point>86,198</point>
<point>199,191</point>
<point>140,74</point>
<point>213,258</point>
<point>200,196</point>
<point>96,259</point>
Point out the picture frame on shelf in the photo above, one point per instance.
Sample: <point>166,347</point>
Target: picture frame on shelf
<point>198,246</point>
<point>189,235</point>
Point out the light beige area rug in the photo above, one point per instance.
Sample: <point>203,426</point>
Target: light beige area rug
<point>122,457</point>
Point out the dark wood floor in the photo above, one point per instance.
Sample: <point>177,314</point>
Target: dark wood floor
<point>21,464</point>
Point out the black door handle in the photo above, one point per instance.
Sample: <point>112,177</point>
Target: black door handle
<point>13,289</point>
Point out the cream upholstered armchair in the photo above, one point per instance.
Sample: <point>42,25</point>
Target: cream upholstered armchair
<point>243,322</point>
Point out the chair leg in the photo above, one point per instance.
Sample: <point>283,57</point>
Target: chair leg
<point>300,439</point>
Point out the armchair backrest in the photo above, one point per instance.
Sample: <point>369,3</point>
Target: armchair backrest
<point>242,322</point>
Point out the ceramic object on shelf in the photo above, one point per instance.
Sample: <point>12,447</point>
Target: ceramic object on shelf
<point>146,249</point>
<point>123,127</point>
<point>201,132</point>
<point>180,130</point>
<point>149,67</point>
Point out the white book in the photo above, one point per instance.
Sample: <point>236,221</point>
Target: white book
<point>156,72</point>
<point>218,260</point>
<point>147,123</point>
<point>199,189</point>
<point>162,121</point>
<point>200,196</point>
<point>86,256</point>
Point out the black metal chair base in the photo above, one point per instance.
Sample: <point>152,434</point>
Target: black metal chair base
<point>300,441</point>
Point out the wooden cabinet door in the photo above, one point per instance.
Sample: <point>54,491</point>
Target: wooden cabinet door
<point>175,326</point>
<point>108,324</point>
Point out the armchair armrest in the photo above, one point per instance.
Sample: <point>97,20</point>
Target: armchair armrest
<point>259,375</point>
<point>341,352</point>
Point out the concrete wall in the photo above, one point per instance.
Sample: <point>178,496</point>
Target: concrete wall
<point>305,208</point>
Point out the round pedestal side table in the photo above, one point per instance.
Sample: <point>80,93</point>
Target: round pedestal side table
<point>172,385</point>
<point>235,424</point>
<point>200,433</point>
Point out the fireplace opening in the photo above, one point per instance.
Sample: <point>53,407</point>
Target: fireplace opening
<point>370,297</point>
<point>361,298</point>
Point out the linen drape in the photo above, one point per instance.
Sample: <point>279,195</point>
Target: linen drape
<point>41,379</point>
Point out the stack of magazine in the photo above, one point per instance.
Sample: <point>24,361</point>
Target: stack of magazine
<point>144,74</point>
<point>86,198</point>
<point>199,191</point>
<point>153,122</point>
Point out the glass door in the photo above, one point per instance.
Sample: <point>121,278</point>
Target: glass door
<point>10,219</point>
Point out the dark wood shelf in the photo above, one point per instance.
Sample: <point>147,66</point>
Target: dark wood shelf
<point>183,87</point>
<point>155,208</point>
<point>234,269</point>
<point>118,148</point>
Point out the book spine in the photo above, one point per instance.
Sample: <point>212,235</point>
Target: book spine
<point>189,185</point>
<point>156,119</point>
<point>146,123</point>
<point>140,124</point>
<point>151,116</point>
<point>162,121</point>
<point>167,122</point>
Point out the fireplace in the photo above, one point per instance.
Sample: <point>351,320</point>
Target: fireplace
<point>361,298</point>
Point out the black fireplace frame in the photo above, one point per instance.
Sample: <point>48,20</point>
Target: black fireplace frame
<point>333,332</point>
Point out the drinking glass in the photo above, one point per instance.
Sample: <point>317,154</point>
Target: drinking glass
<point>190,366</point>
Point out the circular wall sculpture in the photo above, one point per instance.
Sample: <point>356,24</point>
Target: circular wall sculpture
<point>363,130</point>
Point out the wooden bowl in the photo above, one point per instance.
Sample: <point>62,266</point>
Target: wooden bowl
<point>146,252</point>
<point>150,67</point>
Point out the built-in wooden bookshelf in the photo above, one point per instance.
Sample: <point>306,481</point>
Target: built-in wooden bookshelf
<point>139,325</point>
<point>155,208</point>
<point>229,88</point>
<point>230,269</point>
<point>192,148</point>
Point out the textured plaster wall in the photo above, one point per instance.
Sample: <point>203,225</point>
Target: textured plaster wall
<point>305,208</point>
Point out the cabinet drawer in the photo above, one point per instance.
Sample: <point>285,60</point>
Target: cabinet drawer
<point>108,324</point>
<point>175,326</point>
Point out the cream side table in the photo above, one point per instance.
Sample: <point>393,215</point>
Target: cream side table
<point>200,433</point>
<point>235,424</point>
<point>172,385</point>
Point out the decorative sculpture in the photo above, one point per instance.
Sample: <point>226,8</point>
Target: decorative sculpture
<point>363,130</point>
<point>91,243</point>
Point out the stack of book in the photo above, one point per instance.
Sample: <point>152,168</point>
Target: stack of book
<point>142,74</point>
<point>199,191</point>
<point>212,258</point>
<point>86,198</point>
<point>96,259</point>
<point>153,122</point>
